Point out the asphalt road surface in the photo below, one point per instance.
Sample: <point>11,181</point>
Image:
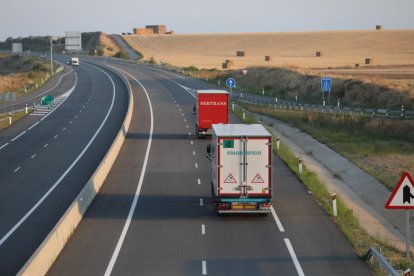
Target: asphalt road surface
<point>46,160</point>
<point>154,216</point>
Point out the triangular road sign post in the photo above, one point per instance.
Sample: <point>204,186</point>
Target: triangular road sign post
<point>402,196</point>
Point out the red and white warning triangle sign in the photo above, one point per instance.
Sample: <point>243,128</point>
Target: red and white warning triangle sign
<point>403,195</point>
<point>257,179</point>
<point>230,179</point>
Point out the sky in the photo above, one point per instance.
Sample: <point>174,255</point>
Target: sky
<point>21,18</point>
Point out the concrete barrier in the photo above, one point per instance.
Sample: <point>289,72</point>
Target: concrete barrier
<point>43,258</point>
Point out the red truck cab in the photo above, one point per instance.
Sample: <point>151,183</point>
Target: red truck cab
<point>212,107</point>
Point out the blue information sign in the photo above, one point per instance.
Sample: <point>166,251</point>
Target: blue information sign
<point>231,83</point>
<point>326,85</point>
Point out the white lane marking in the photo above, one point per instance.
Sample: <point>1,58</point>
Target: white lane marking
<point>191,142</point>
<point>204,267</point>
<point>33,156</point>
<point>189,133</point>
<point>63,129</point>
<point>45,145</point>
<point>201,202</point>
<point>196,165</point>
<point>30,212</point>
<point>198,181</point>
<point>17,137</point>
<point>5,145</point>
<point>182,114</point>
<point>35,124</point>
<point>56,136</point>
<point>80,111</point>
<point>187,126</point>
<point>70,122</point>
<point>203,229</point>
<point>115,254</point>
<point>76,116</point>
<point>17,169</point>
<point>193,152</point>
<point>185,120</point>
<point>276,218</point>
<point>294,258</point>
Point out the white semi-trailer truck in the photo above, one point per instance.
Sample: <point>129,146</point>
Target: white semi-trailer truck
<point>241,168</point>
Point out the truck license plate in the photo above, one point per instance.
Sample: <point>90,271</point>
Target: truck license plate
<point>241,206</point>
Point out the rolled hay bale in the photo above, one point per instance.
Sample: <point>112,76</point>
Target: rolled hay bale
<point>241,53</point>
<point>225,65</point>
<point>378,27</point>
<point>369,60</point>
<point>318,53</point>
<point>268,58</point>
<point>229,62</point>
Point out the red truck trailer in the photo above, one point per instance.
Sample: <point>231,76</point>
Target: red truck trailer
<point>212,108</point>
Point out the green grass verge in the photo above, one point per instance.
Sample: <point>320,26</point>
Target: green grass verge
<point>4,118</point>
<point>345,220</point>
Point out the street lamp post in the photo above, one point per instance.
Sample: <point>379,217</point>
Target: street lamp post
<point>51,55</point>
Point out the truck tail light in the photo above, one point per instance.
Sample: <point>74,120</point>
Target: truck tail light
<point>223,206</point>
<point>266,205</point>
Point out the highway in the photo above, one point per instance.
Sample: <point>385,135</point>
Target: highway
<point>47,159</point>
<point>154,215</point>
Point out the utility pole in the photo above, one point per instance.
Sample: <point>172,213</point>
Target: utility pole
<point>51,55</point>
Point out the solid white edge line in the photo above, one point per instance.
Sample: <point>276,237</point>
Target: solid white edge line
<point>276,218</point>
<point>294,258</point>
<point>17,137</point>
<point>43,198</point>
<point>204,267</point>
<point>198,181</point>
<point>5,145</point>
<point>35,124</point>
<point>203,229</point>
<point>137,192</point>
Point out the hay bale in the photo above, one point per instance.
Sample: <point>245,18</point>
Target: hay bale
<point>225,65</point>
<point>268,58</point>
<point>378,27</point>
<point>241,53</point>
<point>318,54</point>
<point>369,60</point>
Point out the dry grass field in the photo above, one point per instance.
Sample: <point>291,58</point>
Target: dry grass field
<point>338,48</point>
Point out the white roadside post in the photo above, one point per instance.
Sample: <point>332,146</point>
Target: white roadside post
<point>244,115</point>
<point>232,106</point>
<point>334,209</point>
<point>277,143</point>
<point>263,91</point>
<point>27,109</point>
<point>300,165</point>
<point>10,119</point>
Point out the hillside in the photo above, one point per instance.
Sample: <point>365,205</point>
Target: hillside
<point>339,48</point>
<point>387,82</point>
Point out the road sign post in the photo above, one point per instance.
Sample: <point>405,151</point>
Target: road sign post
<point>402,198</point>
<point>326,86</point>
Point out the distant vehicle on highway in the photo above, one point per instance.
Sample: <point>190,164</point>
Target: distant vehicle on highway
<point>211,108</point>
<point>241,168</point>
<point>75,61</point>
<point>43,55</point>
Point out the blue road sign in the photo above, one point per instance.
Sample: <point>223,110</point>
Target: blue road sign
<point>231,83</point>
<point>326,85</point>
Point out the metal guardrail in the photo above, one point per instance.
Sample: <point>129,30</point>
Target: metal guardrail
<point>374,253</point>
<point>288,105</point>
